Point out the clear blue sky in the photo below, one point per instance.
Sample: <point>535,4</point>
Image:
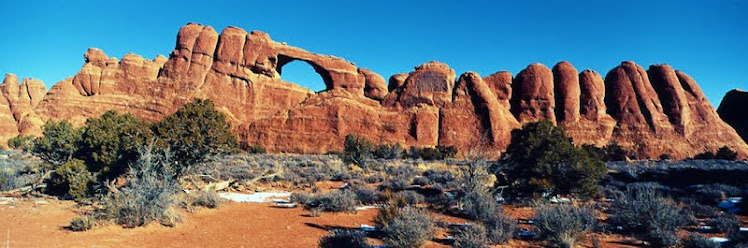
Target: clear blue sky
<point>706,39</point>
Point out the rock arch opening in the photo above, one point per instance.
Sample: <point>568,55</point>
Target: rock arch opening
<point>304,73</point>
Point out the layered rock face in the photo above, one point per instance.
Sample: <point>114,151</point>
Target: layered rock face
<point>650,112</point>
<point>17,115</point>
<point>733,111</point>
<point>664,111</point>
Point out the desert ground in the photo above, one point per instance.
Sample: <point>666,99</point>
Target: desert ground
<point>43,223</point>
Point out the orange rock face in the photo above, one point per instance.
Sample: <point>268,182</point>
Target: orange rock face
<point>650,112</point>
<point>532,94</point>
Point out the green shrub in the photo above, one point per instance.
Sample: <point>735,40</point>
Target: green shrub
<point>704,156</point>
<point>386,151</point>
<point>447,151</point>
<point>432,153</point>
<point>82,223</point>
<point>344,238</point>
<point>726,153</point>
<point>722,153</point>
<point>542,159</point>
<point>253,149</point>
<point>25,143</point>
<point>411,228</point>
<point>425,153</point>
<point>614,152</point>
<point>111,142</point>
<point>610,152</point>
<point>71,178</point>
<point>471,236</point>
<point>196,132</point>
<point>564,225</point>
<point>59,143</point>
<point>356,150</point>
<point>664,157</point>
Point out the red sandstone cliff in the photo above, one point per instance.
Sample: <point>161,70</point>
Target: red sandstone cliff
<point>650,112</point>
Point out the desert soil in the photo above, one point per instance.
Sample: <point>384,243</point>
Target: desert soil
<point>27,224</point>
<point>30,224</point>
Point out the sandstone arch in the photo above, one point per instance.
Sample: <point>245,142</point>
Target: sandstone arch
<point>283,60</point>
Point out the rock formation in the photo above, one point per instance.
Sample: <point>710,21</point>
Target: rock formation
<point>18,104</point>
<point>650,112</point>
<point>532,94</point>
<point>733,111</point>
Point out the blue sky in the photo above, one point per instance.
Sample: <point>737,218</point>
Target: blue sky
<point>706,39</point>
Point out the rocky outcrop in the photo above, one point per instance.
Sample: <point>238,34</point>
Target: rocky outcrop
<point>566,91</point>
<point>104,83</point>
<point>21,100</point>
<point>500,84</point>
<point>733,111</point>
<point>653,113</point>
<point>580,108</point>
<point>475,116</point>
<point>650,112</point>
<point>430,84</point>
<point>532,94</point>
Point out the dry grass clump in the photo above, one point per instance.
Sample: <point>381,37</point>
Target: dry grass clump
<point>410,227</point>
<point>339,238</point>
<point>334,201</point>
<point>150,194</point>
<point>564,225</point>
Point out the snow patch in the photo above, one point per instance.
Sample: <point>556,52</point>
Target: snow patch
<point>258,197</point>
